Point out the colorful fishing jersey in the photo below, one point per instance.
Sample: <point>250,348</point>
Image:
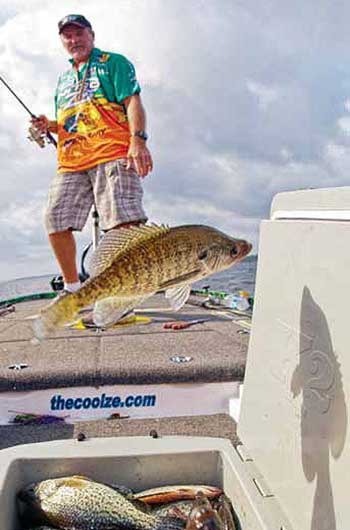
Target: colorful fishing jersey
<point>92,122</point>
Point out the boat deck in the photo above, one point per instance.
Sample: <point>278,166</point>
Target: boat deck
<point>128,354</point>
<point>135,354</point>
<point>215,426</point>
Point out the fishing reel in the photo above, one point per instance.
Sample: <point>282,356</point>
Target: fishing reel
<point>34,135</point>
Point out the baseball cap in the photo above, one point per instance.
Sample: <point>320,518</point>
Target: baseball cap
<point>76,20</point>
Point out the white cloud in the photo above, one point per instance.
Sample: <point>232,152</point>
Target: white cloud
<point>24,217</point>
<point>344,125</point>
<point>265,94</point>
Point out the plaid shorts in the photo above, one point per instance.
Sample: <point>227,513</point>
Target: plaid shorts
<point>115,190</point>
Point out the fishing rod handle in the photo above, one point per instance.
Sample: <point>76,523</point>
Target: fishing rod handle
<point>51,139</point>
<point>48,135</point>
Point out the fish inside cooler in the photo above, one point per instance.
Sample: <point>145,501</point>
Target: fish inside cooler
<point>138,464</point>
<point>77,502</point>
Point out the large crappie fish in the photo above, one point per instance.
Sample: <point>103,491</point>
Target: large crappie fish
<point>80,503</point>
<point>131,264</point>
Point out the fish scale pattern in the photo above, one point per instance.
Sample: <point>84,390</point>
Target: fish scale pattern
<point>134,263</point>
<point>78,502</point>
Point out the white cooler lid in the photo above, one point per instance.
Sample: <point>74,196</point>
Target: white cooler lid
<point>294,413</point>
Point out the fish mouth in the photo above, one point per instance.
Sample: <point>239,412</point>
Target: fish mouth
<point>246,248</point>
<point>243,248</point>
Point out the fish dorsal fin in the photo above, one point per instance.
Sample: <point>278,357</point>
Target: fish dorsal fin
<point>119,240</point>
<point>76,481</point>
<point>178,296</point>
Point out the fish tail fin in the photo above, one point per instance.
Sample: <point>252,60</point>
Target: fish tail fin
<point>40,329</point>
<point>170,523</point>
<point>42,326</point>
<point>56,314</point>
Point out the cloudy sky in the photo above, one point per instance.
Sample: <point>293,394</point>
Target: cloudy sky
<point>244,99</point>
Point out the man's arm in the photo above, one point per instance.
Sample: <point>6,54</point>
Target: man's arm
<point>138,152</point>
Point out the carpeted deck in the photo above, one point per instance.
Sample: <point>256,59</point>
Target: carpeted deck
<point>216,425</point>
<point>134,354</point>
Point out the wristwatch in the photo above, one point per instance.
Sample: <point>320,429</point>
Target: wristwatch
<point>140,134</point>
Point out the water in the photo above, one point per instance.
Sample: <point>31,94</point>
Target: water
<point>22,286</point>
<point>239,277</point>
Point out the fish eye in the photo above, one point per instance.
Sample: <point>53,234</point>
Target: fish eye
<point>234,251</point>
<point>203,255</point>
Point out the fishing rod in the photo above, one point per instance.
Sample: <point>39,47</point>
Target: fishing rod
<point>34,135</point>
<point>39,138</point>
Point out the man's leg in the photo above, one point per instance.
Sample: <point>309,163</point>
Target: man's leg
<point>63,245</point>
<point>69,202</point>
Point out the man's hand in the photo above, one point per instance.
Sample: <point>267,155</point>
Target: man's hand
<point>139,156</point>
<point>40,123</point>
<point>38,130</point>
<point>43,125</point>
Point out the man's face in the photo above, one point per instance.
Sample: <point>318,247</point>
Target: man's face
<point>78,42</point>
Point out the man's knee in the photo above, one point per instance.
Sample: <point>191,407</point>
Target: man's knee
<point>60,234</point>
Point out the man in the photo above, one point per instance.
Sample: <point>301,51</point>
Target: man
<point>102,152</point>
